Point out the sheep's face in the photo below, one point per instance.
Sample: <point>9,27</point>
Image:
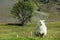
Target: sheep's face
<point>41,22</point>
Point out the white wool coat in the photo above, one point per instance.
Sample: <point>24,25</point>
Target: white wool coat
<point>41,28</point>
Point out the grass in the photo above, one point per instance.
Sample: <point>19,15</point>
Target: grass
<point>24,32</point>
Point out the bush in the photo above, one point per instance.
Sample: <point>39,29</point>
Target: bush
<point>23,11</point>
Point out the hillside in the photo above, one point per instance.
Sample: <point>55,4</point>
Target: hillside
<point>51,7</point>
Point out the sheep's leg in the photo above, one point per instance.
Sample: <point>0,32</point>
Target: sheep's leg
<point>41,35</point>
<point>37,34</point>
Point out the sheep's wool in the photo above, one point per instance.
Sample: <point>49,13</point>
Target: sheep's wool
<point>41,28</point>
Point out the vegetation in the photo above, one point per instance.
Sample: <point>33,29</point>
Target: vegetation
<point>23,10</point>
<point>24,33</point>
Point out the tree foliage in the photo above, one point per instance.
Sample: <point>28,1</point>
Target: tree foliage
<point>23,11</point>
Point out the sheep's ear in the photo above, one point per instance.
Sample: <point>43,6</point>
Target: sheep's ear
<point>43,20</point>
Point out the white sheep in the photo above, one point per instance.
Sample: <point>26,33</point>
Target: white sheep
<point>41,29</point>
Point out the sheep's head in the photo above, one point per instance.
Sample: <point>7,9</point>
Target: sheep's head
<point>41,22</point>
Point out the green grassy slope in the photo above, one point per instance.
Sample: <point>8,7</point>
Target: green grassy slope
<point>24,33</point>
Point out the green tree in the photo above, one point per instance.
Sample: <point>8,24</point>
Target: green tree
<point>23,11</point>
